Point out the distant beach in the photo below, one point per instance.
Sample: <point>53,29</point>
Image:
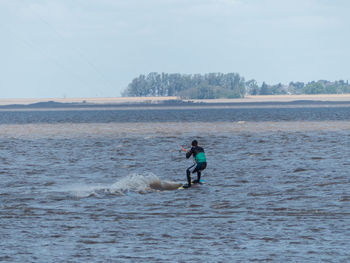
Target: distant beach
<point>156,100</point>
<point>283,98</point>
<point>107,100</point>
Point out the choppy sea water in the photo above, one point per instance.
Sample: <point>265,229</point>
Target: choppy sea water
<point>100,185</point>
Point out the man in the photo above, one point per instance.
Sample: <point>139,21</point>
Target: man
<point>200,163</point>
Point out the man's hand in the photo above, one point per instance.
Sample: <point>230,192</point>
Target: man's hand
<point>183,149</point>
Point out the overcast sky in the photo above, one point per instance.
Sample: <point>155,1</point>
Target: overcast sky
<point>94,48</point>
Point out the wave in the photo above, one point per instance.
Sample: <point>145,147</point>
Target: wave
<point>136,183</point>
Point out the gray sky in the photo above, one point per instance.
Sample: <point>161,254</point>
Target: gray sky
<point>94,48</point>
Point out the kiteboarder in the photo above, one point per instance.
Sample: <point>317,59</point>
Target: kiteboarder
<point>199,165</point>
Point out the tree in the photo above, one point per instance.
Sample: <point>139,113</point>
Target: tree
<point>219,85</point>
<point>264,90</point>
<point>296,87</point>
<point>314,88</point>
<point>252,87</point>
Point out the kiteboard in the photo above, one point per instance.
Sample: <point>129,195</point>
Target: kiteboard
<point>184,186</point>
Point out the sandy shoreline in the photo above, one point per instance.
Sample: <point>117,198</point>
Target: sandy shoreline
<point>109,100</point>
<point>283,98</point>
<point>123,100</point>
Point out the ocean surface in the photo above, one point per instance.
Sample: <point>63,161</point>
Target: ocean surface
<point>100,185</point>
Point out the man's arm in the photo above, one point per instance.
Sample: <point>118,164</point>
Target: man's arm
<point>188,154</point>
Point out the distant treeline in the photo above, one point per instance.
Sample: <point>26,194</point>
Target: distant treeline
<point>219,85</point>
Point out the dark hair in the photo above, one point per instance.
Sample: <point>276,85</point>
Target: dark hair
<point>194,143</point>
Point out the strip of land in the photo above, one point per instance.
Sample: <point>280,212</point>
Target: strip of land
<point>109,100</point>
<point>283,98</point>
<point>157,100</point>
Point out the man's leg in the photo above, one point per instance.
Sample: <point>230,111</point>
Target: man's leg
<point>188,178</point>
<point>198,177</point>
<point>188,174</point>
<point>199,168</point>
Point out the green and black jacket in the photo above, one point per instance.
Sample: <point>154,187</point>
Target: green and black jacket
<point>198,154</point>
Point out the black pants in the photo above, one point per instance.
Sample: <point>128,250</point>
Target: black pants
<point>195,168</point>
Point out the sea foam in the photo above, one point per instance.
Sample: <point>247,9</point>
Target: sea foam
<point>136,183</point>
